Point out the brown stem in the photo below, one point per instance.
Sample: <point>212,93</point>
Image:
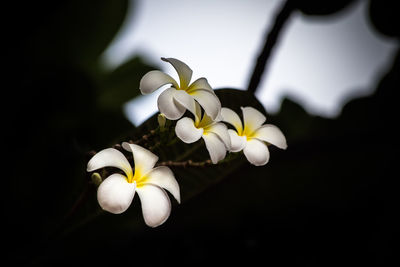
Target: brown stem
<point>270,41</point>
<point>186,163</point>
<point>145,137</point>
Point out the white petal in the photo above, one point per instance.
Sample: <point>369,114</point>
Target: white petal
<point>198,113</point>
<point>186,131</point>
<point>231,117</point>
<point>237,142</point>
<point>109,157</point>
<point>271,134</point>
<point>156,205</point>
<point>185,100</point>
<point>144,159</point>
<point>163,177</point>
<point>221,130</point>
<point>209,102</point>
<point>215,146</point>
<point>256,152</point>
<point>252,119</point>
<point>200,83</point>
<point>206,121</point>
<point>153,80</point>
<point>183,70</point>
<point>115,194</point>
<point>168,106</point>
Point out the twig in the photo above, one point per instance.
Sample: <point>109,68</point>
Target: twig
<point>186,163</point>
<point>270,42</point>
<point>145,137</point>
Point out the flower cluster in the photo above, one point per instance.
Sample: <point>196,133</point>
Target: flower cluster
<point>249,134</point>
<point>116,192</point>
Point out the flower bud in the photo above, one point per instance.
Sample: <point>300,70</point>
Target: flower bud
<point>96,178</point>
<point>161,121</point>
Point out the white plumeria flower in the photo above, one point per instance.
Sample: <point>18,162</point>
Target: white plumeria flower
<point>174,101</point>
<point>214,133</point>
<point>116,192</point>
<point>251,136</point>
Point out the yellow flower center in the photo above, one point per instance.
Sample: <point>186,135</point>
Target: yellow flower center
<point>138,177</point>
<point>248,132</point>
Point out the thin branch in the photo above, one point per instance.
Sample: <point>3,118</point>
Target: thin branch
<point>270,41</point>
<point>186,163</point>
<point>145,137</point>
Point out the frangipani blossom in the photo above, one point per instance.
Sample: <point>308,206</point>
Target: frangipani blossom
<point>116,192</point>
<point>252,135</point>
<point>174,101</point>
<point>214,133</point>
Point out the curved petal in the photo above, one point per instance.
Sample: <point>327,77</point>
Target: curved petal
<point>162,176</point>
<point>237,142</point>
<point>231,117</point>
<point>256,152</point>
<point>187,131</point>
<point>252,119</point>
<point>216,148</point>
<point>197,116</point>
<point>271,134</point>
<point>115,194</point>
<point>144,159</point>
<point>185,100</point>
<point>200,83</point>
<point>221,130</point>
<point>168,106</point>
<point>156,205</point>
<point>183,70</point>
<point>206,121</point>
<point>209,102</point>
<point>153,80</point>
<point>109,157</point>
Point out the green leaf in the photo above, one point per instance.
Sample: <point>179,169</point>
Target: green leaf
<point>235,99</point>
<point>384,17</point>
<point>122,84</point>
<point>74,32</point>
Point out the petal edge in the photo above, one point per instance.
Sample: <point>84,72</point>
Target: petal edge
<point>187,131</point>
<point>109,157</point>
<point>163,177</point>
<point>256,152</point>
<point>168,106</point>
<point>153,80</point>
<point>271,134</point>
<point>115,194</point>
<point>156,206</point>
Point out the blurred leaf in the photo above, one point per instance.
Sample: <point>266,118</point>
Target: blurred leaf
<point>317,8</point>
<point>122,84</point>
<point>297,124</point>
<point>235,99</point>
<point>384,16</point>
<point>78,31</point>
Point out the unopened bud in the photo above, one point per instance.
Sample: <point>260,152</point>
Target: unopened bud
<point>161,121</point>
<point>96,178</point>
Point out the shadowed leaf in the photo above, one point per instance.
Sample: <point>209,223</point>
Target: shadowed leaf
<point>320,8</point>
<point>122,84</point>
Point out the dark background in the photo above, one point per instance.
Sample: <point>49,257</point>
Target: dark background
<point>330,198</point>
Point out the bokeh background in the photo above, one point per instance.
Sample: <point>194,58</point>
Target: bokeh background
<point>330,84</point>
